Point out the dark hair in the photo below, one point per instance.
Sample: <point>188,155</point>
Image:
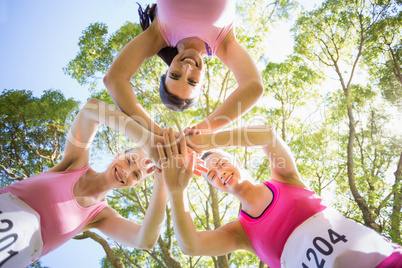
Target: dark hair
<point>206,154</point>
<point>167,54</point>
<point>146,17</point>
<point>172,101</point>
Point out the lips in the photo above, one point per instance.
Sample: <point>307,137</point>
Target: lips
<point>117,176</point>
<point>191,60</point>
<point>229,178</point>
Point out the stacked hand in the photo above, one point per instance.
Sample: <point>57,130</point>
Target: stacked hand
<point>178,165</point>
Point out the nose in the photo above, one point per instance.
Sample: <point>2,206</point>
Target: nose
<point>187,68</point>
<point>222,175</point>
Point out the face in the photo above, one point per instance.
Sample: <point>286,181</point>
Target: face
<point>185,74</point>
<point>129,169</point>
<point>223,171</point>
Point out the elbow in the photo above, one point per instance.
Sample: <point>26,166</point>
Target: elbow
<point>108,80</point>
<point>189,251</point>
<point>92,103</point>
<point>258,89</point>
<point>147,246</point>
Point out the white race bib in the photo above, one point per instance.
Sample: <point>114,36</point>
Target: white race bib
<point>20,236</point>
<point>328,239</point>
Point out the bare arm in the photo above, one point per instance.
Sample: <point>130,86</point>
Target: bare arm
<point>117,79</point>
<point>224,240</point>
<point>129,233</point>
<point>177,169</point>
<point>283,166</point>
<point>245,96</point>
<point>85,126</point>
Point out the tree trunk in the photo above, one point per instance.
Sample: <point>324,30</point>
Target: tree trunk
<point>114,260</point>
<point>361,202</point>
<point>223,261</point>
<point>395,221</point>
<point>167,256</point>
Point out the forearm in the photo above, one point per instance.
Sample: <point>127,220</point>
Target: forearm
<point>153,220</point>
<point>101,112</point>
<point>122,94</point>
<point>183,225</point>
<point>238,103</point>
<point>245,137</point>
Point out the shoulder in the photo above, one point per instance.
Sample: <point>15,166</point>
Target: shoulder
<point>228,44</point>
<point>153,33</point>
<point>236,230</point>
<point>68,164</point>
<point>105,214</point>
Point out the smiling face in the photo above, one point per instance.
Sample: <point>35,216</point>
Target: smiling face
<point>223,171</point>
<point>185,74</point>
<point>129,168</point>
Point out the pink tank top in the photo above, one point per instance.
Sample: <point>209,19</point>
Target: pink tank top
<point>50,194</point>
<point>209,20</point>
<point>268,233</point>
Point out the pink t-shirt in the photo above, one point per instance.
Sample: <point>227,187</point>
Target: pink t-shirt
<point>50,194</point>
<point>290,207</point>
<point>209,20</point>
<point>269,232</point>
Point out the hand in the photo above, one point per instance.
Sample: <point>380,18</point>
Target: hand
<point>197,143</point>
<point>150,148</point>
<point>191,131</point>
<point>177,166</point>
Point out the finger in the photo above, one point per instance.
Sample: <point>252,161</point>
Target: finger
<point>186,130</point>
<point>168,148</point>
<point>183,146</point>
<point>197,173</point>
<point>201,169</point>
<point>151,169</point>
<point>161,152</point>
<point>191,164</point>
<point>172,138</point>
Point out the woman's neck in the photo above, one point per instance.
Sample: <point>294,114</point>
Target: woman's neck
<point>254,198</point>
<point>192,43</point>
<point>91,185</point>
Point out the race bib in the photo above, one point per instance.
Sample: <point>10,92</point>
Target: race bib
<point>20,236</point>
<point>328,239</point>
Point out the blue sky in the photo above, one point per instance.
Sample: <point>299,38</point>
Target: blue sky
<point>38,38</point>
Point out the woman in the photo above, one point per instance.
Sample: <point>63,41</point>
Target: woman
<point>282,221</point>
<point>190,30</point>
<point>40,213</point>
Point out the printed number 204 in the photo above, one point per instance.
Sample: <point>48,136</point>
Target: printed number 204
<point>324,247</point>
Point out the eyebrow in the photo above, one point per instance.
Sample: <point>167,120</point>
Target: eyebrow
<point>139,169</point>
<point>217,162</point>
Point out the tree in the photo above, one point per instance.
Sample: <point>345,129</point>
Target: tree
<point>33,132</point>
<point>97,50</point>
<point>336,35</point>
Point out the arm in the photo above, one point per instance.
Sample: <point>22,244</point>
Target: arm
<point>283,166</point>
<point>85,126</point>
<point>129,233</point>
<point>177,171</point>
<point>117,79</point>
<point>249,89</point>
